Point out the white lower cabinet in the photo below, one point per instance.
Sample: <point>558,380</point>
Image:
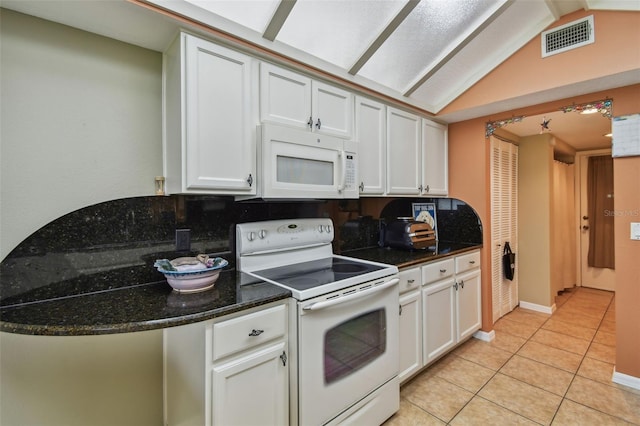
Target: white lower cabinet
<point>468,304</point>
<point>439,319</point>
<point>410,323</point>
<point>229,371</point>
<point>440,312</point>
<point>251,389</point>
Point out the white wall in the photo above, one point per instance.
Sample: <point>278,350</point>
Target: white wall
<point>80,124</point>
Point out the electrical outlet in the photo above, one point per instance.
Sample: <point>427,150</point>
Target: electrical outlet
<point>183,239</point>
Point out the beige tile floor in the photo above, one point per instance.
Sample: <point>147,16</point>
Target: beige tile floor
<point>539,370</point>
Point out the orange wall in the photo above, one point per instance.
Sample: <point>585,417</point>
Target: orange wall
<point>469,181</point>
<point>626,175</point>
<point>614,51</point>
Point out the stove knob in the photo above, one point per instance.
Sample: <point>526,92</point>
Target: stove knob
<point>262,234</point>
<point>251,236</point>
<point>328,228</point>
<point>320,229</point>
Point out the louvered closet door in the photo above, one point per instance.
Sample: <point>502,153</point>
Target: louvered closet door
<point>504,223</point>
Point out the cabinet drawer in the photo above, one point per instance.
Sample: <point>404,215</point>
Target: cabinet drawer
<point>244,332</point>
<point>409,279</point>
<point>437,270</point>
<point>466,262</point>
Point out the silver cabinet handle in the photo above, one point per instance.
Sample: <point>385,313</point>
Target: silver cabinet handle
<point>250,180</point>
<point>255,332</point>
<point>318,124</point>
<point>411,281</point>
<point>361,186</point>
<point>472,262</point>
<point>442,271</point>
<point>310,122</point>
<point>461,283</point>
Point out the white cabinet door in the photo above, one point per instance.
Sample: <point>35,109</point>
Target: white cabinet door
<point>435,170</point>
<point>438,319</point>
<point>252,389</point>
<point>290,98</point>
<point>403,153</point>
<point>371,136</point>
<point>285,97</point>
<point>210,119</point>
<point>332,110</point>
<point>410,334</point>
<point>468,304</point>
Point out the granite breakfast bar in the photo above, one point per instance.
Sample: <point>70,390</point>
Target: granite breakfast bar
<point>136,308</point>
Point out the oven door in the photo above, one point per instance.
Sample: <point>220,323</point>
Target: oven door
<point>348,347</point>
<point>301,164</point>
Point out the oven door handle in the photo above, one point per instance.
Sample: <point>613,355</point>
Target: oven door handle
<point>364,293</point>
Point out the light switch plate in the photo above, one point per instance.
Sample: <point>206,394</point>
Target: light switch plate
<point>635,230</point>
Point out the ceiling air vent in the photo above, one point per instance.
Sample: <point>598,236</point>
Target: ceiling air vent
<point>569,36</point>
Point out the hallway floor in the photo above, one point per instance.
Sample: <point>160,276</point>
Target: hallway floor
<point>539,370</point>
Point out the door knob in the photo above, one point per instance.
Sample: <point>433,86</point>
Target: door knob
<point>585,217</point>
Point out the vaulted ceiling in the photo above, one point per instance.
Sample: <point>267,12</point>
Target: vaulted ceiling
<point>423,52</point>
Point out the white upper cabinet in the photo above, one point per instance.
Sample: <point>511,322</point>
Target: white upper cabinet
<point>403,153</point>
<point>416,155</point>
<point>435,170</point>
<point>371,128</point>
<point>210,119</point>
<point>287,97</point>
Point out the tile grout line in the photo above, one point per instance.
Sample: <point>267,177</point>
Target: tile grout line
<point>563,397</point>
<point>477,393</point>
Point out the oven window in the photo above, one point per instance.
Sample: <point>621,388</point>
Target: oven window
<point>304,171</point>
<point>353,344</point>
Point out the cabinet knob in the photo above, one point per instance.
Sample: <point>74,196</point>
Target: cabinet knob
<point>250,180</point>
<point>310,122</point>
<point>442,271</point>
<point>427,188</point>
<point>361,186</point>
<point>455,286</point>
<point>420,188</point>
<point>318,124</point>
<point>255,332</point>
<point>461,283</point>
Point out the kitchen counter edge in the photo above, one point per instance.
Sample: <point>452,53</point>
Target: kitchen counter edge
<point>140,308</point>
<point>408,258</point>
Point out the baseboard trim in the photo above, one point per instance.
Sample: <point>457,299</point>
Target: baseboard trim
<point>485,336</point>
<point>538,308</point>
<point>626,380</point>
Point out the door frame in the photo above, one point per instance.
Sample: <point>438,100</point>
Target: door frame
<point>578,197</point>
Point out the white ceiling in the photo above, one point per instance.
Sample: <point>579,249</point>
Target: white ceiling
<point>581,131</point>
<point>423,52</point>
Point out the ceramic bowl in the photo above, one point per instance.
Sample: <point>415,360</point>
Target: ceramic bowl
<point>191,278</point>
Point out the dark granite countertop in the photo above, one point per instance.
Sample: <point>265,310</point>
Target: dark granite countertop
<point>407,258</point>
<point>134,308</point>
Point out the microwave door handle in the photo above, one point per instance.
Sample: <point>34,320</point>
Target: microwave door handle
<point>343,171</point>
<point>364,293</point>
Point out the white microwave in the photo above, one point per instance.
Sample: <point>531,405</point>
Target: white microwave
<point>296,163</point>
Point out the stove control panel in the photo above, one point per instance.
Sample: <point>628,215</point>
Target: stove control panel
<point>282,235</point>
